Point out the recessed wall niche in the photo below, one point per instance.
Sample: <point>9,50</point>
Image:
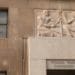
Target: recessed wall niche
<point>54,23</point>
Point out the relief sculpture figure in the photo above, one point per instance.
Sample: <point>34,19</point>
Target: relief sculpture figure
<point>68,24</point>
<point>55,23</point>
<point>49,24</point>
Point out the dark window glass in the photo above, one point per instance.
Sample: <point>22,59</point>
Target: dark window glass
<point>3,23</point>
<point>3,72</point>
<point>61,72</point>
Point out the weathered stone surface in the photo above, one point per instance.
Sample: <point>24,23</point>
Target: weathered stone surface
<point>21,24</point>
<point>54,23</point>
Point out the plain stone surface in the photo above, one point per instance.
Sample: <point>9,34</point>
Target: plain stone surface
<point>51,48</point>
<point>37,67</point>
<point>41,49</point>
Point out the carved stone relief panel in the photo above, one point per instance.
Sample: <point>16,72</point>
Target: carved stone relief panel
<point>48,23</point>
<point>55,23</point>
<point>68,23</point>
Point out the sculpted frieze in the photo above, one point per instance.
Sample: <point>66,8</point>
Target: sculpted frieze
<point>55,23</point>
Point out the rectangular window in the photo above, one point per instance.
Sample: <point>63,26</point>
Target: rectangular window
<point>3,72</point>
<point>3,23</point>
<point>60,67</point>
<point>61,72</point>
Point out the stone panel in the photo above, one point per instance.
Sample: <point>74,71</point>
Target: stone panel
<point>51,48</point>
<point>55,23</point>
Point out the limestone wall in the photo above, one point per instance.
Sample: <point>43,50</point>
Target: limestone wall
<point>21,24</point>
<point>40,50</point>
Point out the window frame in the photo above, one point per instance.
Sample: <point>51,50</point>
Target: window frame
<point>5,10</point>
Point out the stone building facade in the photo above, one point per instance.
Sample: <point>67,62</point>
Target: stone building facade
<point>51,50</point>
<point>23,23</point>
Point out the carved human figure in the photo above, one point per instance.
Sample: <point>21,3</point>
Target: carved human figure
<point>68,23</point>
<point>53,23</point>
<point>49,23</point>
<point>47,19</point>
<point>44,19</point>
